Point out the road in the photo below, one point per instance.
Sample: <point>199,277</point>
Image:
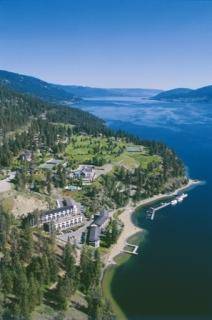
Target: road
<point>5,185</point>
<point>75,236</point>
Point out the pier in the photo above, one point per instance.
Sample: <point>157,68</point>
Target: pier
<point>134,251</point>
<point>152,211</point>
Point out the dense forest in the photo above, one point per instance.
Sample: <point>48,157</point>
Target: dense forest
<point>34,270</point>
<point>24,120</point>
<point>17,109</point>
<point>35,87</point>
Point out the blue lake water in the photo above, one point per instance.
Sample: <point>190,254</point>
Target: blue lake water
<point>172,276</point>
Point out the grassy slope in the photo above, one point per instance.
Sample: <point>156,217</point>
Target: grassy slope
<point>84,148</point>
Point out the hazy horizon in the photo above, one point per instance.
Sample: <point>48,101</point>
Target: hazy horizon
<point>96,87</point>
<point>109,44</point>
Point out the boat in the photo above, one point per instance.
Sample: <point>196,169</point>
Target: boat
<point>174,202</point>
<point>182,197</point>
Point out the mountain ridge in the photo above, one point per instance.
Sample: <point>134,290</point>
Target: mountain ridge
<point>62,93</point>
<point>34,86</point>
<point>186,94</point>
<point>86,91</point>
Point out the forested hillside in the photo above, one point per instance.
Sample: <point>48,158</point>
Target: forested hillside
<point>34,86</point>
<point>30,117</point>
<point>18,109</point>
<point>34,270</point>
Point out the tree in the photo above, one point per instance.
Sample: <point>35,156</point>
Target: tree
<point>90,268</point>
<point>69,260</point>
<point>86,268</point>
<point>21,290</point>
<point>53,267</point>
<point>97,267</point>
<point>35,292</point>
<point>6,279</point>
<point>94,303</point>
<point>45,268</point>
<point>49,187</point>
<point>26,244</point>
<point>61,295</point>
<point>114,231</point>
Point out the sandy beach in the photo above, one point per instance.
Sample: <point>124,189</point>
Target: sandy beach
<point>130,228</point>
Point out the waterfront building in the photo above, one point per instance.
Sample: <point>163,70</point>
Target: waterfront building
<point>101,221</point>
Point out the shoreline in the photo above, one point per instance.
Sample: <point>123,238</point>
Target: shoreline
<point>130,229</point>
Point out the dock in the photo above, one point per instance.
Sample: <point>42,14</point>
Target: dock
<point>152,210</point>
<point>134,251</point>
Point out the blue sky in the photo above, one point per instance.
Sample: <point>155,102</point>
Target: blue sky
<point>109,43</point>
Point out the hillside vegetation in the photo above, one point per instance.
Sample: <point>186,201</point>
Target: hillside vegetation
<point>34,86</point>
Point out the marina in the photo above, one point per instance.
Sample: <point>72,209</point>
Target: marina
<point>152,211</point>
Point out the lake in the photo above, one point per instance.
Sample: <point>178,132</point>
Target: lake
<point>171,278</point>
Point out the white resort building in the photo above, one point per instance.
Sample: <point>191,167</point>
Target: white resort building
<point>63,217</point>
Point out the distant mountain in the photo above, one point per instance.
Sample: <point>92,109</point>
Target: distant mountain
<point>61,93</point>
<point>185,94</point>
<point>88,92</point>
<point>36,87</point>
<point>173,94</point>
<point>204,93</point>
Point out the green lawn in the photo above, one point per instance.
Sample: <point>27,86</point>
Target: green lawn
<point>83,148</point>
<point>132,160</point>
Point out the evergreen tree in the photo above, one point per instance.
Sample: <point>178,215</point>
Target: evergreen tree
<point>61,295</point>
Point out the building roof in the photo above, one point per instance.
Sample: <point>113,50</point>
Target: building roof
<point>27,152</point>
<point>60,203</point>
<point>94,234</point>
<point>57,210</point>
<point>48,166</point>
<point>100,220</point>
<point>66,218</point>
<point>135,148</point>
<point>54,161</point>
<point>87,168</point>
<point>70,202</point>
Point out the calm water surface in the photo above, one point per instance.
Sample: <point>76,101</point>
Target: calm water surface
<point>172,275</point>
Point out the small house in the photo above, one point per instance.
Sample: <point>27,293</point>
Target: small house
<point>88,173</point>
<point>102,220</point>
<point>85,172</point>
